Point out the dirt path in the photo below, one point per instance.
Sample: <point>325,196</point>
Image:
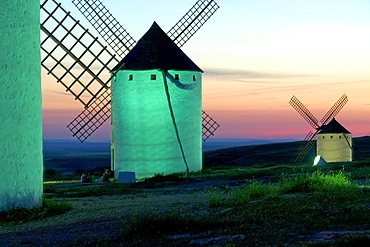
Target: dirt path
<point>94,217</point>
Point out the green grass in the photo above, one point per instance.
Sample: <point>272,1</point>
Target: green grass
<point>19,215</point>
<point>266,212</point>
<point>333,181</point>
<point>273,203</point>
<point>299,202</point>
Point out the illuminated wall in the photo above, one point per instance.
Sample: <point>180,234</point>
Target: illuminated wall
<point>144,137</point>
<point>21,167</point>
<point>335,147</point>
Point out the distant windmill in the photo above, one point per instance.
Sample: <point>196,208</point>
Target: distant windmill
<point>68,46</point>
<point>326,126</point>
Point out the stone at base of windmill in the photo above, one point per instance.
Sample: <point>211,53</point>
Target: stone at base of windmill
<point>126,177</point>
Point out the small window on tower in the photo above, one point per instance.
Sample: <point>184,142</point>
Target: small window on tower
<point>153,77</point>
<point>340,137</point>
<point>194,78</point>
<point>177,77</point>
<point>331,137</point>
<point>323,137</point>
<point>130,77</point>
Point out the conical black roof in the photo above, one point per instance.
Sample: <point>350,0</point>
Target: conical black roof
<point>155,50</point>
<point>334,127</point>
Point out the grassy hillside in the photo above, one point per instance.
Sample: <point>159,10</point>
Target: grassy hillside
<point>90,156</point>
<point>277,153</point>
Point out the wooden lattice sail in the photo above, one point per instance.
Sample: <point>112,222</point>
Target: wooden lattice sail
<point>83,64</point>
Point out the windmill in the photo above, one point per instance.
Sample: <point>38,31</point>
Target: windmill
<point>20,106</point>
<point>328,118</point>
<point>68,45</point>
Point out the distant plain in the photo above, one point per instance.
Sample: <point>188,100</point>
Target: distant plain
<point>66,156</point>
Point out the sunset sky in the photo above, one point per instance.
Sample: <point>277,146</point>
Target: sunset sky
<point>256,54</point>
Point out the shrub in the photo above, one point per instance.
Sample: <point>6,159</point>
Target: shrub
<point>243,195</point>
<point>318,182</point>
<point>337,183</point>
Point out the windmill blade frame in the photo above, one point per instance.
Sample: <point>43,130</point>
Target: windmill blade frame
<point>90,119</point>
<point>305,147</point>
<point>97,105</point>
<point>60,60</point>
<point>192,21</point>
<point>209,126</point>
<point>304,112</point>
<point>106,25</point>
<point>334,110</point>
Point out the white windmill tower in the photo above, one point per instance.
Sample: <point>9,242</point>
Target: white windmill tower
<point>156,109</point>
<point>331,149</point>
<point>334,143</point>
<point>96,97</point>
<point>20,106</point>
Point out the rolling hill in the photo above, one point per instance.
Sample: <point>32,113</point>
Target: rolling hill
<point>66,157</point>
<point>278,153</point>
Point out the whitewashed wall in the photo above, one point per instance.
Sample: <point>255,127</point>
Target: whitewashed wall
<point>333,147</point>
<point>21,167</point>
<point>143,135</point>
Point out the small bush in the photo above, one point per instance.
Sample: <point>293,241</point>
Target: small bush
<point>318,182</point>
<point>337,183</point>
<point>216,200</point>
<point>243,195</point>
<point>240,196</point>
<point>258,190</point>
<point>254,191</point>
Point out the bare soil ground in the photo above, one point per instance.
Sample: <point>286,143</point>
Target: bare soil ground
<point>104,216</point>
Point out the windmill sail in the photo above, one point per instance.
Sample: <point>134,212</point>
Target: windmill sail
<point>107,26</point>
<point>306,146</point>
<point>69,52</point>
<point>95,93</point>
<point>334,109</point>
<point>90,119</point>
<point>192,21</point>
<point>209,126</point>
<point>304,112</point>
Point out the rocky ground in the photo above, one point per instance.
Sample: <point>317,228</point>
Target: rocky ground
<point>103,217</point>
